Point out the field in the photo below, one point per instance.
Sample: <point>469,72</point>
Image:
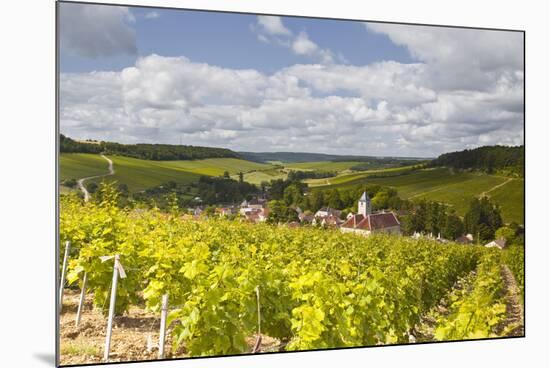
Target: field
<point>256,177</point>
<point>443,185</point>
<point>336,166</point>
<point>511,195</point>
<point>346,179</point>
<point>80,165</point>
<point>215,166</point>
<point>317,288</point>
<point>142,174</point>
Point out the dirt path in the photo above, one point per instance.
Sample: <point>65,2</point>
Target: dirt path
<point>495,187</point>
<point>81,181</point>
<point>135,335</point>
<point>422,193</point>
<point>514,324</point>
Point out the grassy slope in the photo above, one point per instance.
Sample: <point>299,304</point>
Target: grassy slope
<point>322,165</point>
<point>353,178</point>
<point>141,174</point>
<point>511,196</point>
<point>446,186</point>
<point>215,166</point>
<point>80,165</point>
<point>256,177</point>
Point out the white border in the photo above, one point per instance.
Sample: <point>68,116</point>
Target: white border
<point>27,184</point>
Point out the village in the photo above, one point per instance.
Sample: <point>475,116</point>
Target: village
<point>363,223</point>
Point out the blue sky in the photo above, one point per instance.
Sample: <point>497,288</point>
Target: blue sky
<point>190,33</point>
<point>268,83</point>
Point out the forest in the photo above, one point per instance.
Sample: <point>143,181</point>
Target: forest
<point>489,159</point>
<point>160,152</point>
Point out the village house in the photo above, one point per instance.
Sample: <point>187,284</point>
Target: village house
<point>365,222</point>
<point>306,218</point>
<point>498,243</point>
<point>254,205</point>
<point>327,211</point>
<point>327,221</point>
<point>226,211</point>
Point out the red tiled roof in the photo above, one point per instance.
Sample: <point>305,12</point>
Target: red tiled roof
<point>375,221</point>
<point>383,220</point>
<point>353,221</point>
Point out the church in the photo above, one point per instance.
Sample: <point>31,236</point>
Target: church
<point>365,222</point>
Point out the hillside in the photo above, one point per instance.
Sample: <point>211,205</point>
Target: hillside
<point>490,159</point>
<point>144,151</point>
<point>455,188</point>
<point>140,174</point>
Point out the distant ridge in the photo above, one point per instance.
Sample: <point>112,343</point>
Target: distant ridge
<point>145,151</point>
<point>290,157</point>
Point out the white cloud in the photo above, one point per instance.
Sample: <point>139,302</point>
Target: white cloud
<point>96,30</point>
<point>302,45</point>
<point>271,29</point>
<point>459,58</point>
<point>273,25</point>
<point>152,15</point>
<point>384,108</point>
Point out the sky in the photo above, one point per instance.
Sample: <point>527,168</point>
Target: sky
<point>267,83</point>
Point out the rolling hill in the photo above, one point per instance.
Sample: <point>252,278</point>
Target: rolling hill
<point>455,188</point>
<point>140,174</point>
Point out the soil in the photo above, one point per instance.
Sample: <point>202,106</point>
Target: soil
<point>513,325</point>
<point>135,335</point>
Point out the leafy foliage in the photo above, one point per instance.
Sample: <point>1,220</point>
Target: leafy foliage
<point>476,313</point>
<point>318,288</point>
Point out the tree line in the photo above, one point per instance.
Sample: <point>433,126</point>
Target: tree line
<point>489,159</point>
<point>164,152</point>
<point>482,219</point>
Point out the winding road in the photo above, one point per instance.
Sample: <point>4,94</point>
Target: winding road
<point>495,187</point>
<point>80,182</point>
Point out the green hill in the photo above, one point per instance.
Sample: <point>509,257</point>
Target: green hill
<point>140,174</point>
<point>454,188</point>
<point>81,165</point>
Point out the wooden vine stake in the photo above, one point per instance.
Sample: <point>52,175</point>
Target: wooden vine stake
<point>117,269</point>
<point>163,315</point>
<point>63,272</point>
<point>258,342</point>
<point>81,301</point>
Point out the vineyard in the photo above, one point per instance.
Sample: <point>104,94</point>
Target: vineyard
<point>229,282</point>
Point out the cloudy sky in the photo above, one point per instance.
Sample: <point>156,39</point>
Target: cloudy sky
<point>258,83</point>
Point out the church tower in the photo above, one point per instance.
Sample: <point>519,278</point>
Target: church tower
<point>364,207</point>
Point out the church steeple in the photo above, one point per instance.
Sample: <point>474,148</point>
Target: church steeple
<point>364,206</point>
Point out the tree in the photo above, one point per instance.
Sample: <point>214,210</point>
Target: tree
<point>317,200</point>
<point>380,200</point>
<point>263,185</point>
<point>507,234</point>
<point>226,174</point>
<point>453,227</point>
<point>71,183</point>
<point>92,187</point>
<point>333,199</point>
<point>241,177</point>
<point>482,219</point>
<point>292,194</point>
<point>280,213</point>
